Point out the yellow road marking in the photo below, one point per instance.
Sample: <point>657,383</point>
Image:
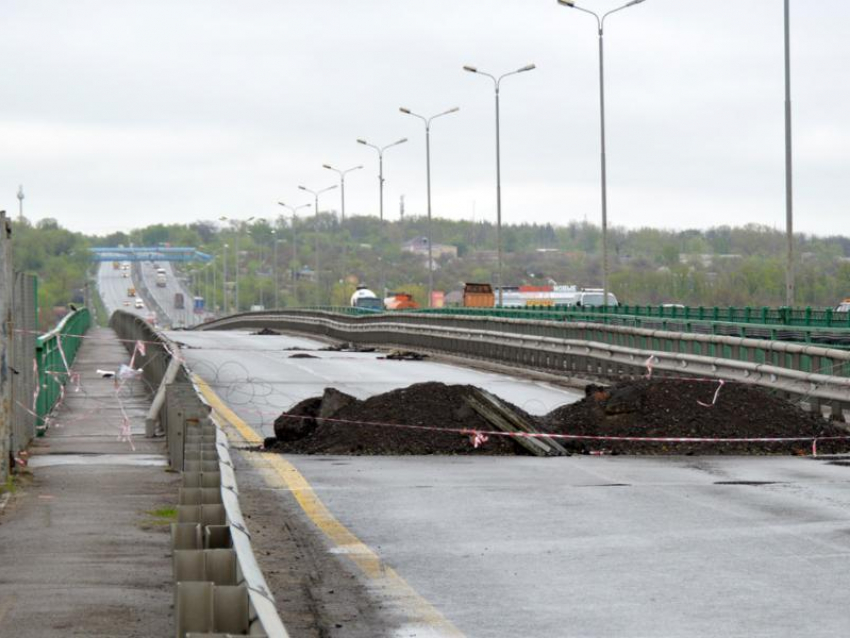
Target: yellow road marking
<point>281,473</point>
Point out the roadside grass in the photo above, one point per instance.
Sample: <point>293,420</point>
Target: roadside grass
<point>162,516</point>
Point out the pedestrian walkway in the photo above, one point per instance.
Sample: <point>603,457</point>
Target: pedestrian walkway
<point>84,540</point>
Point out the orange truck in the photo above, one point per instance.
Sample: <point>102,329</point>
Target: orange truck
<point>478,296</point>
<point>400,301</point>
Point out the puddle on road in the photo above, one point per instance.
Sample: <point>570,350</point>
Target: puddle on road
<point>132,460</point>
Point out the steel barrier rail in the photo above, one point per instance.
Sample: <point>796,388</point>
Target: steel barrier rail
<point>594,358</point>
<point>52,372</point>
<point>805,358</point>
<point>835,332</point>
<point>219,587</point>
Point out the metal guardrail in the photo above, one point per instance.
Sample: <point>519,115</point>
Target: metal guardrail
<point>219,587</point>
<point>821,326</point>
<point>818,376</point>
<point>53,373</point>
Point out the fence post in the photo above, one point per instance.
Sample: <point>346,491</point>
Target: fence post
<point>7,282</point>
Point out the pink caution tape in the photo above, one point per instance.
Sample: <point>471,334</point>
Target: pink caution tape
<point>716,394</point>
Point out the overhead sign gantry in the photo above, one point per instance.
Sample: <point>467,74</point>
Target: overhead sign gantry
<point>148,253</point>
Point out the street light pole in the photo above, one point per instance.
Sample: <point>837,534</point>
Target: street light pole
<point>224,280</point>
<point>294,210</point>
<point>381,150</point>
<point>274,268</point>
<point>427,121</point>
<point>342,174</point>
<point>315,195</point>
<point>20,202</point>
<point>600,23</point>
<point>789,199</point>
<point>497,84</point>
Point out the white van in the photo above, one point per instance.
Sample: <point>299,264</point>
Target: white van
<point>593,297</point>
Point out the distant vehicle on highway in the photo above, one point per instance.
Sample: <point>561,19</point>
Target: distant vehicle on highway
<point>257,307</point>
<point>198,305</point>
<point>844,306</point>
<point>115,265</point>
<point>400,301</point>
<point>125,265</point>
<point>593,297</point>
<point>131,292</point>
<point>478,296</point>
<point>161,277</point>
<point>179,301</point>
<point>140,303</point>
<point>366,299</point>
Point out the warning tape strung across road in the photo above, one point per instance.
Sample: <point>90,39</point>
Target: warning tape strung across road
<point>476,434</point>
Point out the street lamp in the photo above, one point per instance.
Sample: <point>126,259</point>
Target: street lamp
<point>315,195</point>
<point>600,23</point>
<point>427,121</point>
<point>236,256</point>
<point>789,200</point>
<point>342,174</point>
<point>294,210</point>
<point>381,150</point>
<point>20,202</point>
<point>224,280</point>
<point>497,84</point>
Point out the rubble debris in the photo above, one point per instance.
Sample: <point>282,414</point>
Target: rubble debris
<point>266,332</point>
<point>682,408</point>
<point>404,355</point>
<point>347,347</point>
<point>337,423</point>
<point>434,405</point>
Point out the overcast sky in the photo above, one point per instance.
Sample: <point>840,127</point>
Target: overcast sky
<point>117,113</point>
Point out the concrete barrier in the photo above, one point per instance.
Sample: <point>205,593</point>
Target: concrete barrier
<point>219,587</point>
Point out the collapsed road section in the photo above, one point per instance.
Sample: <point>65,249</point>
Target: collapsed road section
<point>647,416</point>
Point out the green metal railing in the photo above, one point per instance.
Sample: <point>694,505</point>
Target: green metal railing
<point>52,373</point>
<point>821,326</point>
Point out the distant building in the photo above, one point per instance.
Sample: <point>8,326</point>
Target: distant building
<point>305,274</point>
<point>707,260</point>
<point>419,246</point>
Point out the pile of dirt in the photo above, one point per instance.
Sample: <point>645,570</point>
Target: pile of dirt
<point>681,408</point>
<point>337,423</point>
<point>352,430</point>
<point>264,332</point>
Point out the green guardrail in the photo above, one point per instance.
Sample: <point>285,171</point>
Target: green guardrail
<point>802,325</point>
<point>52,373</point>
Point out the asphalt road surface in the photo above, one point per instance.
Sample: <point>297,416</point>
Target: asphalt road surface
<point>112,286</point>
<point>165,295</point>
<point>613,547</point>
<point>609,547</point>
<point>258,379</point>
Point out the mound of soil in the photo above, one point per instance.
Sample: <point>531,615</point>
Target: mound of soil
<point>683,408</point>
<point>435,405</point>
<point>337,423</point>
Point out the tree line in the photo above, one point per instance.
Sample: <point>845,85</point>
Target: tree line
<point>740,266</point>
